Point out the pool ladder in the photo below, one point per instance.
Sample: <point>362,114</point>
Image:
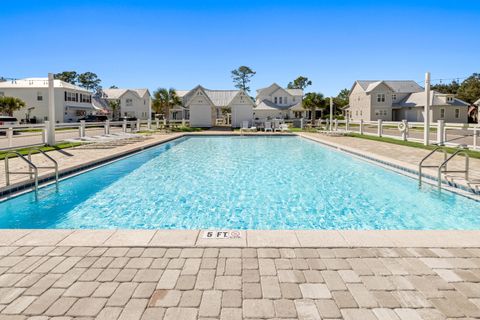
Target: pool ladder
<point>32,168</point>
<point>442,168</point>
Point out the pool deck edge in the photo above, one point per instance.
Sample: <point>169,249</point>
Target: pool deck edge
<point>247,239</point>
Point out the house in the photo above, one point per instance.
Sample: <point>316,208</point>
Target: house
<point>204,106</point>
<point>396,100</point>
<point>71,102</point>
<point>473,112</point>
<point>135,103</point>
<point>277,102</point>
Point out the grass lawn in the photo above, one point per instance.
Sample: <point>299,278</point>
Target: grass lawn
<point>471,153</point>
<point>24,151</point>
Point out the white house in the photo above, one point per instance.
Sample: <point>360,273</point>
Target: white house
<point>277,102</point>
<point>396,100</point>
<point>204,106</point>
<point>71,102</point>
<point>135,103</point>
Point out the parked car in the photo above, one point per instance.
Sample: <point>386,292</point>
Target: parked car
<point>94,118</point>
<point>7,121</point>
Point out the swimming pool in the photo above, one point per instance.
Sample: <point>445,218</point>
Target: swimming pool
<point>234,182</point>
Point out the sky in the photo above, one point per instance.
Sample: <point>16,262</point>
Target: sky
<point>180,44</point>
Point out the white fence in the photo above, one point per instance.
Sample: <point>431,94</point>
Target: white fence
<point>452,134</point>
<point>26,135</point>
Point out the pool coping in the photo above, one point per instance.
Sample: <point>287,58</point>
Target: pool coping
<point>246,239</point>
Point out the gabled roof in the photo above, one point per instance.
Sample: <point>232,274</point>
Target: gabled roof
<point>268,105</point>
<point>118,93</point>
<point>218,98</point>
<point>39,83</point>
<point>397,86</point>
<point>417,99</point>
<point>292,92</point>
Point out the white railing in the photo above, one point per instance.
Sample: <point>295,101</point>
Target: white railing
<point>451,134</point>
<point>26,135</point>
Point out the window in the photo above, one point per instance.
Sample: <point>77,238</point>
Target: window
<point>356,113</point>
<point>129,102</point>
<point>71,96</point>
<point>449,99</point>
<point>275,100</point>
<point>2,93</point>
<point>361,113</point>
<point>442,113</point>
<point>380,112</point>
<point>85,98</point>
<point>39,96</point>
<point>457,113</point>
<point>381,97</point>
<point>280,100</point>
<point>285,100</point>
<point>394,97</point>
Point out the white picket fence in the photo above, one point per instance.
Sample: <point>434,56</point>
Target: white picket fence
<point>25,135</point>
<point>452,134</point>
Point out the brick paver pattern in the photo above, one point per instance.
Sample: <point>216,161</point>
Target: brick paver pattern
<point>239,283</point>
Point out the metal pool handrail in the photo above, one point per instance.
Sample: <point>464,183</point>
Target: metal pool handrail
<point>31,167</point>
<point>444,164</point>
<point>421,165</point>
<point>55,163</point>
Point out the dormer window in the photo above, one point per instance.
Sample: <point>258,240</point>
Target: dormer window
<point>275,100</point>
<point>449,99</point>
<point>394,97</point>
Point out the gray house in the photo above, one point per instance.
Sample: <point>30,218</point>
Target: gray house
<point>396,100</point>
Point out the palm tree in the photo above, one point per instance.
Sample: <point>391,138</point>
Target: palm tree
<point>165,99</point>
<point>10,104</point>
<point>313,101</point>
<point>114,105</point>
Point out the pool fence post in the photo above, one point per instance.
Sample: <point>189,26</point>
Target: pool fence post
<point>149,124</point>
<point>347,123</point>
<point>331,113</point>
<point>183,122</point>
<point>157,123</point>
<point>124,125</point>
<point>380,128</point>
<point>301,123</point>
<point>44,132</point>
<point>440,134</point>
<point>426,111</point>
<point>138,124</point>
<point>107,127</point>
<point>336,124</point>
<point>51,111</point>
<point>475,137</point>
<point>405,132</point>
<point>10,137</point>
<point>361,126</point>
<point>82,128</point>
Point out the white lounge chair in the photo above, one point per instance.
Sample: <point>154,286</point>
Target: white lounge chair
<point>244,126</point>
<point>268,126</point>
<point>283,127</point>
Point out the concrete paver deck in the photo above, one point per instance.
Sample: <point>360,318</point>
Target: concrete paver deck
<point>85,282</point>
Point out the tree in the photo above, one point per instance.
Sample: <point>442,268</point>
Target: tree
<point>449,88</point>
<point>67,76</point>
<point>89,81</point>
<point>114,105</point>
<point>313,101</point>
<point>113,87</point>
<point>299,83</point>
<point>241,77</point>
<point>341,100</point>
<point>469,90</point>
<point>165,99</point>
<point>10,104</point>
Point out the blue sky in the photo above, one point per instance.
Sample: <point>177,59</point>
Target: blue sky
<point>184,43</point>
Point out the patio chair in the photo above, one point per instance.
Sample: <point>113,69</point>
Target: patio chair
<point>283,127</point>
<point>244,126</point>
<point>268,126</point>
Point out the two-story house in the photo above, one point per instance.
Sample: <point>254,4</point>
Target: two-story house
<point>134,103</point>
<point>71,102</point>
<point>277,102</point>
<point>397,100</point>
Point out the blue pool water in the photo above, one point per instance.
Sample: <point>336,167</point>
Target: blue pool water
<point>241,183</point>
